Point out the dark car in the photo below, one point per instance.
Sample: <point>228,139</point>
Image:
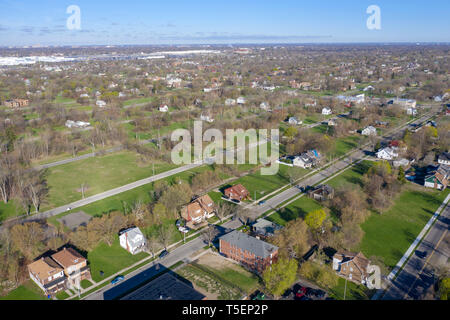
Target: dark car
<point>316,293</point>
<point>262,202</point>
<point>163,254</point>
<point>421,254</point>
<point>117,279</point>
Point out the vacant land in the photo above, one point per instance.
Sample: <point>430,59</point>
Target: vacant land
<point>99,174</point>
<point>353,291</point>
<point>219,279</point>
<point>297,209</point>
<point>27,291</point>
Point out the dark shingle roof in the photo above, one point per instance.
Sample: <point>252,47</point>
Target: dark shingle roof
<point>245,242</point>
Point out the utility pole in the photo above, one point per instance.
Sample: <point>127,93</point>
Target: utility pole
<point>345,288</point>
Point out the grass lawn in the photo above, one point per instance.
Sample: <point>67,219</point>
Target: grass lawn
<point>9,210</point>
<point>62,295</point>
<point>353,292</point>
<point>351,176</point>
<point>100,174</point>
<point>137,101</point>
<point>110,259</point>
<point>85,283</point>
<point>245,280</point>
<point>27,291</point>
<point>296,209</point>
<point>390,234</point>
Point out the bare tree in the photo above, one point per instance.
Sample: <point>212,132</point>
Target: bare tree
<point>209,234</point>
<point>165,235</point>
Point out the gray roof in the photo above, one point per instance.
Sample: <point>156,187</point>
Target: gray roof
<point>265,227</point>
<point>245,242</point>
<point>445,156</point>
<point>165,287</point>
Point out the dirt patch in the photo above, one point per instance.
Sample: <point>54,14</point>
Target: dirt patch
<point>217,262</point>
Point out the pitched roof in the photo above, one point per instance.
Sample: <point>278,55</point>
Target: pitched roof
<point>245,242</point>
<point>206,203</point>
<point>44,268</point>
<point>68,257</point>
<point>358,259</point>
<point>238,189</point>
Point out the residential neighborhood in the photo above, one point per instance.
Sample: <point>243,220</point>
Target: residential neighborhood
<point>198,153</point>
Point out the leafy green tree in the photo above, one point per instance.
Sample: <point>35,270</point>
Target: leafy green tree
<point>315,219</point>
<point>280,276</point>
<point>444,288</point>
<point>401,175</point>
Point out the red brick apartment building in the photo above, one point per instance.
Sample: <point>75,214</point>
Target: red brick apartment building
<point>254,254</point>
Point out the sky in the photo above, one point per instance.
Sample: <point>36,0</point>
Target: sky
<point>146,22</point>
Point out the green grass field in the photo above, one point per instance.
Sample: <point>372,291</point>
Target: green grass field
<point>27,291</point>
<point>9,210</point>
<point>110,259</point>
<point>390,234</point>
<point>137,101</point>
<point>99,173</point>
<point>353,292</point>
<point>298,208</point>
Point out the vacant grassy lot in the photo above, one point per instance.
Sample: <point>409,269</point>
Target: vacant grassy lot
<point>110,259</point>
<point>390,234</point>
<point>99,173</point>
<point>296,209</point>
<point>9,210</point>
<point>27,291</point>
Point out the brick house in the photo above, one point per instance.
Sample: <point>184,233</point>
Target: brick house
<point>352,266</point>
<point>74,264</point>
<point>254,254</point>
<point>237,193</point>
<point>48,275</point>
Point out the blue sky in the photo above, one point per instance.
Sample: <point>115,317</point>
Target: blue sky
<point>30,22</point>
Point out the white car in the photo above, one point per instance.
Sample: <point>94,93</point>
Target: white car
<point>183,229</point>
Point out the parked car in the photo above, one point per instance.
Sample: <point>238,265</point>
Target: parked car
<point>178,223</point>
<point>316,293</point>
<point>183,229</point>
<point>163,254</point>
<point>261,202</point>
<point>301,292</point>
<point>117,279</point>
<point>421,254</point>
<point>259,296</point>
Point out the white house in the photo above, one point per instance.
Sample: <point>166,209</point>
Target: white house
<point>132,240</point>
<point>100,103</point>
<point>387,154</point>
<point>326,111</point>
<point>369,131</point>
<point>77,124</point>
<point>294,121</point>
<point>303,161</point>
<point>264,106</point>
<point>411,111</point>
<point>163,108</point>
<point>368,88</point>
<point>84,95</point>
<point>230,102</point>
<point>241,100</point>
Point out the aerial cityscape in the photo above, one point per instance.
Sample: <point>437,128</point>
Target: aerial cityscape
<point>173,159</point>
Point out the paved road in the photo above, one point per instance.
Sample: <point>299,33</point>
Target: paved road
<point>416,278</point>
<point>273,202</point>
<point>127,187</point>
<point>185,251</point>
<point>139,276</point>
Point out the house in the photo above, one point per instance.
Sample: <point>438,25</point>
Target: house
<point>263,228</point>
<point>326,111</point>
<point>74,264</point>
<point>411,111</point>
<point>199,210</point>
<point>351,266</point>
<point>294,121</point>
<point>438,179</point>
<point>48,275</point>
<point>237,193</point>
<point>264,106</point>
<point>100,103</point>
<point>132,240</point>
<point>206,117</point>
<point>303,161</point>
<point>241,100</point>
<point>16,103</point>
<point>387,154</point>
<point>163,108</point>
<point>444,158</point>
<point>405,103</point>
<point>368,88</point>
<point>77,124</point>
<point>230,102</point>
<point>331,122</point>
<point>401,163</point>
<point>254,254</point>
<point>369,131</point>
<point>321,193</point>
